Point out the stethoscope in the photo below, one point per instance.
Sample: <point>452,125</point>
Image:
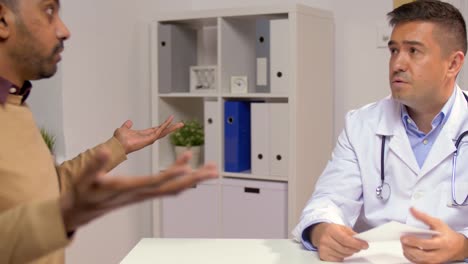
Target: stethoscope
<point>383,191</point>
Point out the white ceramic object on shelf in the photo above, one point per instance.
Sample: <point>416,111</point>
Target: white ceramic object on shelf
<point>196,154</point>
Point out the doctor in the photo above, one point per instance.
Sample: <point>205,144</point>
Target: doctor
<point>396,154</point>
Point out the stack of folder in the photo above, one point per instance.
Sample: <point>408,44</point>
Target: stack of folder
<point>256,138</point>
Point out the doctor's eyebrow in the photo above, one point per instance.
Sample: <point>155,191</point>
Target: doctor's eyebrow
<point>57,2</point>
<point>406,42</point>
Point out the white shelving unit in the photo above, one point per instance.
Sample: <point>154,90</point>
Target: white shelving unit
<point>227,38</point>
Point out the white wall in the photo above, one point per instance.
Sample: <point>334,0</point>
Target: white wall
<point>45,101</point>
<point>105,82</point>
<point>361,69</point>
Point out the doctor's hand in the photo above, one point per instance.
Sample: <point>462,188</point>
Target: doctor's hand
<point>93,193</point>
<point>133,140</point>
<point>335,242</point>
<point>448,246</point>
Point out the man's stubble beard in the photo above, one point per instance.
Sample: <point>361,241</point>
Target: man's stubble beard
<point>28,57</point>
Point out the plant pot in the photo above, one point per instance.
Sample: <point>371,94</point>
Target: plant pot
<point>196,154</point>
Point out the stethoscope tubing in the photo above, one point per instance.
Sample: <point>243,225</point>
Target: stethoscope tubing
<point>380,189</point>
<point>454,166</point>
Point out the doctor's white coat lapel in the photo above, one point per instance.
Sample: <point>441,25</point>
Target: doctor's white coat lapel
<point>391,126</point>
<point>444,145</point>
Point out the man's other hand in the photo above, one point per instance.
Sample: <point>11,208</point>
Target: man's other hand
<point>335,242</point>
<point>94,193</point>
<point>446,247</point>
<point>133,140</point>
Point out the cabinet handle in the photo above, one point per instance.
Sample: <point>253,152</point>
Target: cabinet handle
<point>279,74</point>
<point>260,156</point>
<point>261,39</point>
<point>163,43</point>
<point>251,190</point>
<point>210,121</point>
<point>278,157</point>
<point>230,120</point>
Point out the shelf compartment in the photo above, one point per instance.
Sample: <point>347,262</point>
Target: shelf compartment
<point>182,44</point>
<point>249,36</point>
<point>183,109</point>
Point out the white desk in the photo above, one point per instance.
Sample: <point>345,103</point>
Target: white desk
<point>246,251</point>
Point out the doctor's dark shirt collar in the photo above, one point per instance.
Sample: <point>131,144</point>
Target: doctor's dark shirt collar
<point>7,88</point>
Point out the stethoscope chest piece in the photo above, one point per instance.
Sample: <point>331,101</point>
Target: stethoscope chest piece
<point>383,191</point>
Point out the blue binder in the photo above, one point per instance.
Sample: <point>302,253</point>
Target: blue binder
<point>236,136</point>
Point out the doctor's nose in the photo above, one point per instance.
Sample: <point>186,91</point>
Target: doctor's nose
<point>398,64</point>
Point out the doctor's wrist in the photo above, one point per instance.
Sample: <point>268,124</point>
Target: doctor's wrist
<point>463,254</point>
<point>316,232</point>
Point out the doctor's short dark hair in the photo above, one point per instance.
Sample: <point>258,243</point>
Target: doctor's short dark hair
<point>12,4</point>
<point>452,35</point>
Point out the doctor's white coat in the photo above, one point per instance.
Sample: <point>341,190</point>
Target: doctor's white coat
<point>349,181</point>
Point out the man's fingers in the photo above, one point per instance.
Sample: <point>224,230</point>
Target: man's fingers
<point>420,243</point>
<point>183,158</point>
<point>164,125</point>
<point>122,184</point>
<point>156,132</point>
<point>349,241</point>
<point>329,255</point>
<point>169,119</point>
<point>333,251</point>
<point>179,168</point>
<point>162,130</point>
<point>171,129</point>
<point>418,255</point>
<point>342,250</point>
<point>129,183</point>
<point>171,186</point>
<point>115,191</point>
<point>127,124</point>
<point>208,171</point>
<point>432,222</point>
<point>176,185</point>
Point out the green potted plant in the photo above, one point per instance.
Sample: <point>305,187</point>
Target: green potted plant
<point>189,137</point>
<point>49,139</point>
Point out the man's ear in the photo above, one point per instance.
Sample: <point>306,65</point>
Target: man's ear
<point>5,22</point>
<point>456,62</point>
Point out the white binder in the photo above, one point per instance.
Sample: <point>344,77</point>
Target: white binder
<point>279,135</point>
<point>262,50</point>
<point>279,55</point>
<point>260,133</point>
<point>176,53</point>
<point>211,128</point>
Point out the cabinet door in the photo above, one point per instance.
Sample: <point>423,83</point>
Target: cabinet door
<point>193,213</point>
<point>254,209</point>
